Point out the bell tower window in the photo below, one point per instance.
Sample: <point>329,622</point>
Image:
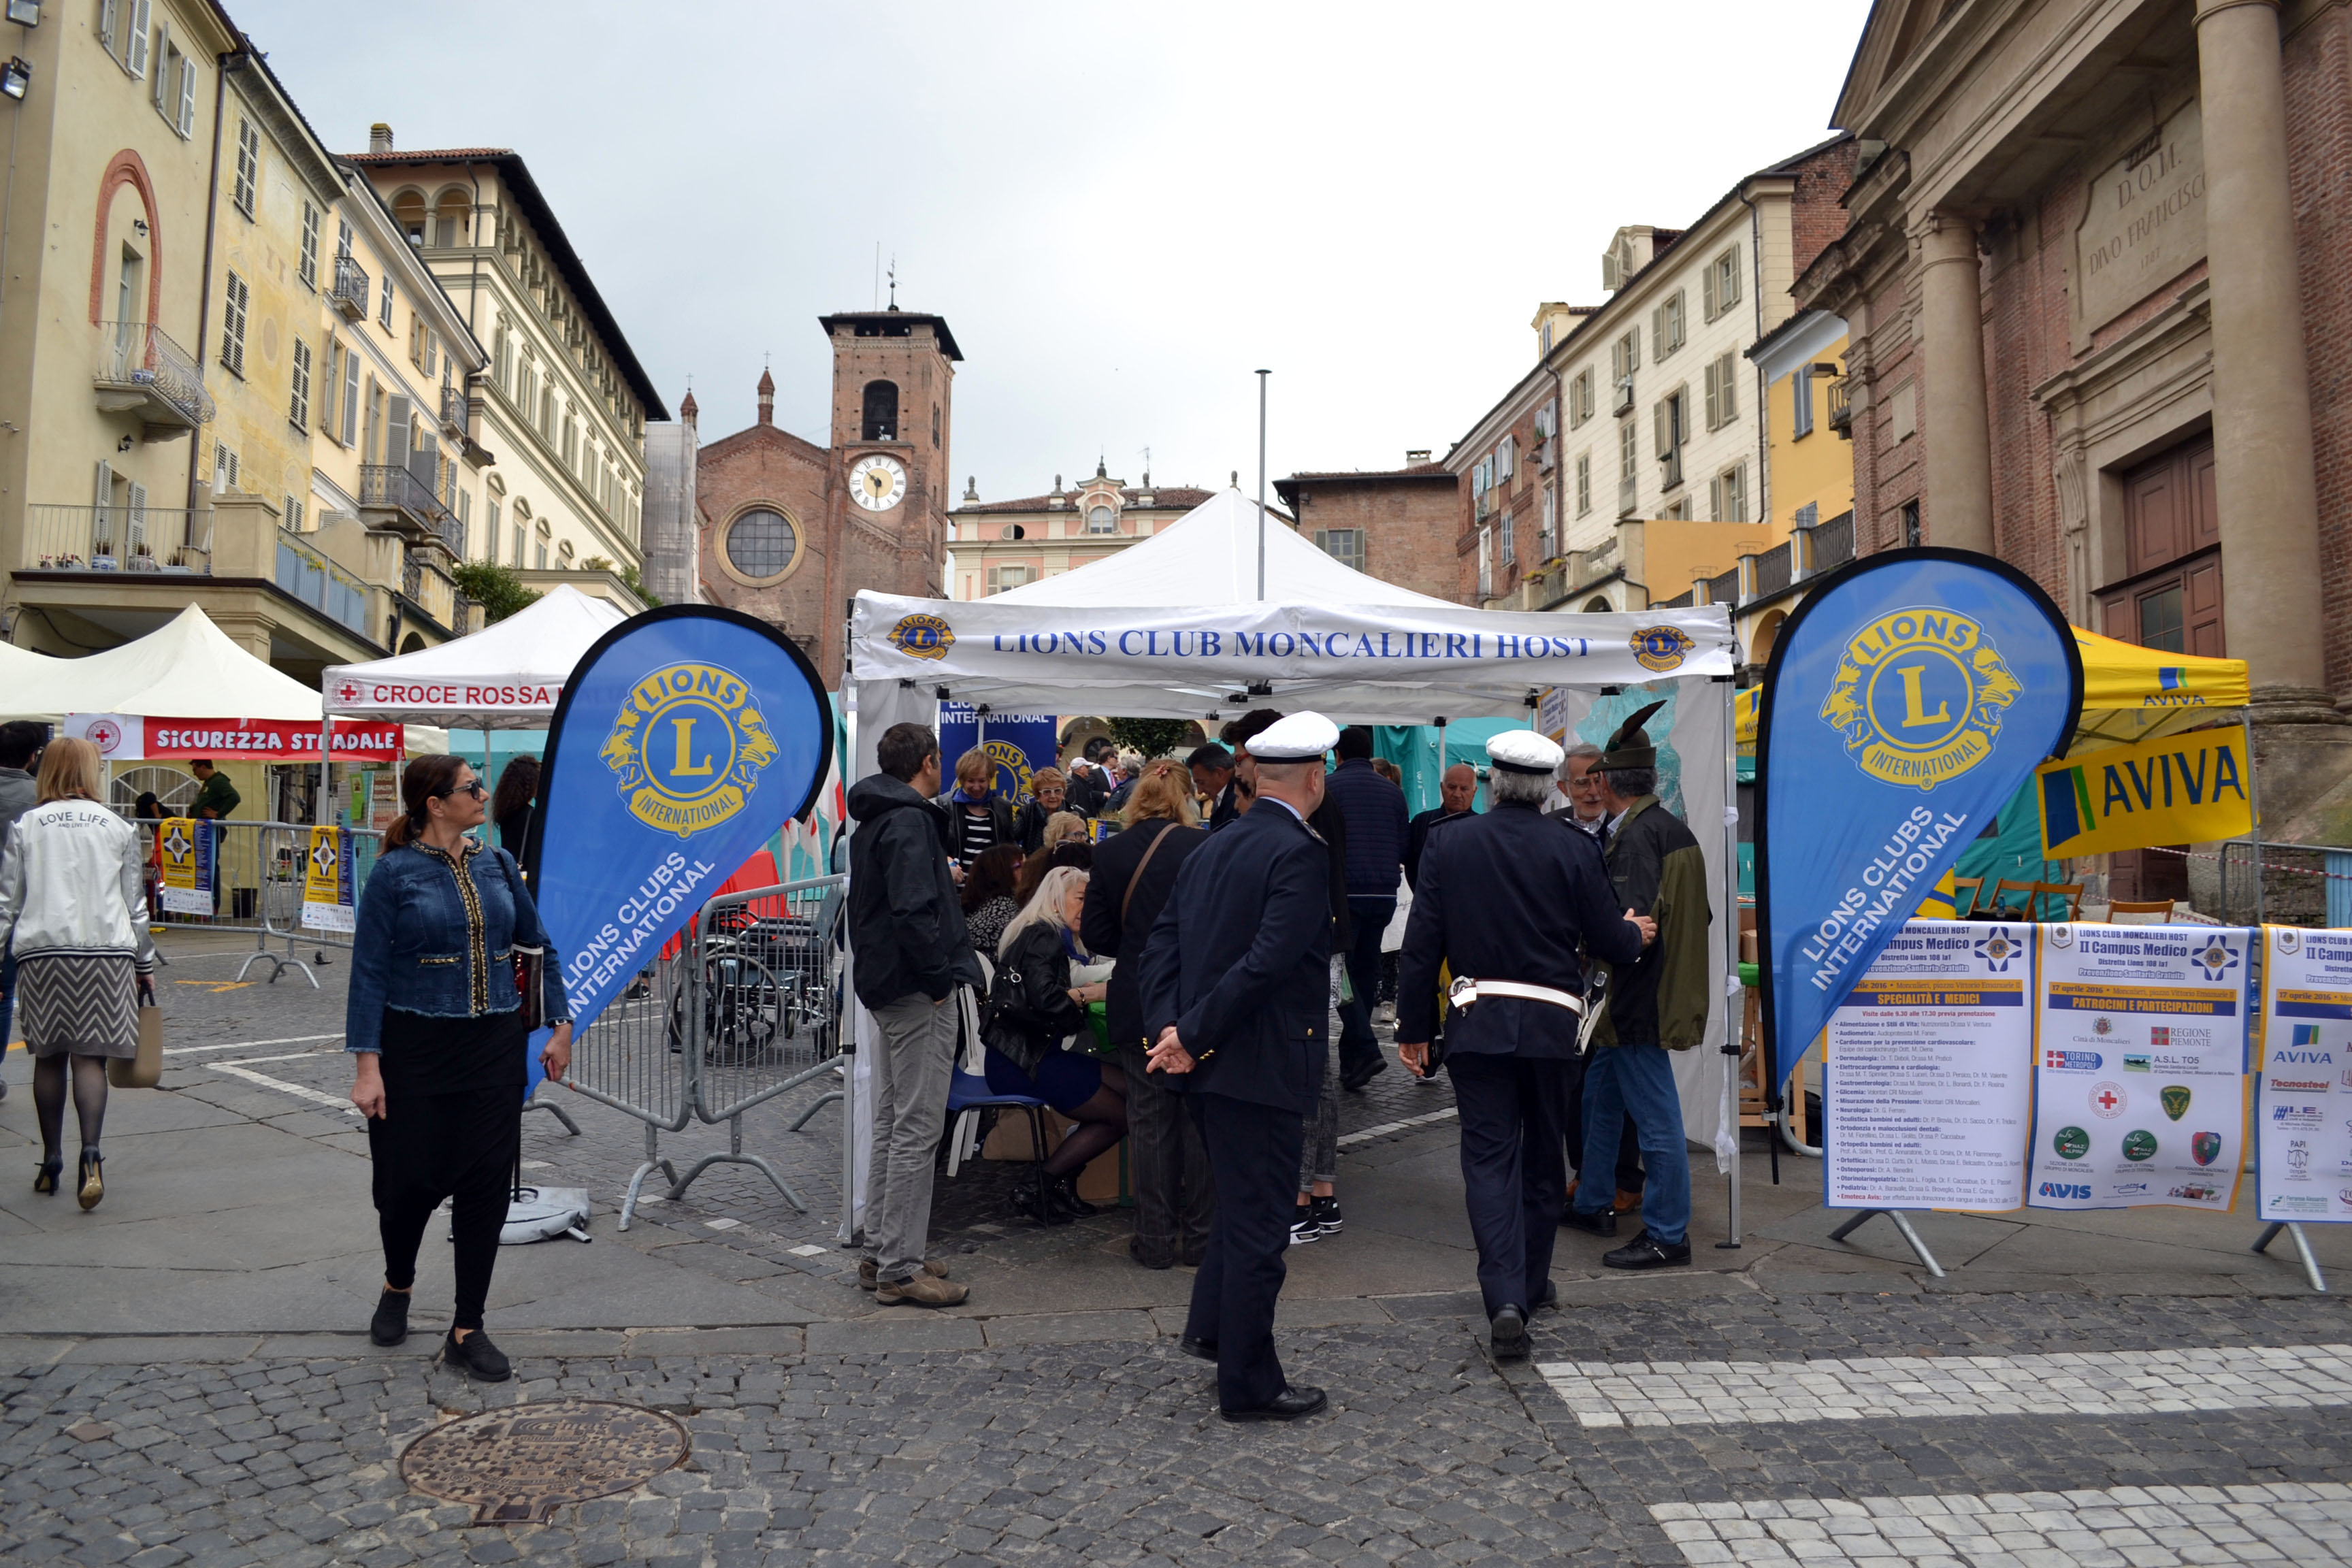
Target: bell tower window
<point>881,415</point>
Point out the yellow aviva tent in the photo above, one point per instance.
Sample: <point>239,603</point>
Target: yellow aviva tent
<point>2130,693</point>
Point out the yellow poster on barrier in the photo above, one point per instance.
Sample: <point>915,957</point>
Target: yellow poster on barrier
<point>185,847</point>
<point>2181,789</point>
<point>327,881</point>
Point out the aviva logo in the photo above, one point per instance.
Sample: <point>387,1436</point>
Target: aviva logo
<point>2182,789</point>
<point>688,745</point>
<point>1918,697</point>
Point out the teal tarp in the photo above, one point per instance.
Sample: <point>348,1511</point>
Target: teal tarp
<point>2012,849</point>
<point>1414,748</point>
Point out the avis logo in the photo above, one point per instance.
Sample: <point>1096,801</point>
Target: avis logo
<point>2064,1190</point>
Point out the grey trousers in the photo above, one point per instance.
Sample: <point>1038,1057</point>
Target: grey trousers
<point>910,1109</point>
<point>1319,1160</point>
<point>1175,1197</point>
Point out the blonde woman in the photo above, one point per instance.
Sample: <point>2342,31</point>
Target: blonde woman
<point>1034,1008</point>
<point>73,900</point>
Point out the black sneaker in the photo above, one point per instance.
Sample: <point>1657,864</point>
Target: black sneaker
<point>1304,1229</point>
<point>1326,1215</point>
<point>1601,1224</point>
<point>476,1356</point>
<point>1645,1251</point>
<point>1354,1081</point>
<point>1508,1334</point>
<point>390,1324</point>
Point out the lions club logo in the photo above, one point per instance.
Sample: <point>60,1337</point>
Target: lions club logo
<point>1998,949</point>
<point>2216,958</point>
<point>2290,939</point>
<point>1918,697</point>
<point>1660,648</point>
<point>923,637</point>
<point>688,746</point>
<point>1011,768</point>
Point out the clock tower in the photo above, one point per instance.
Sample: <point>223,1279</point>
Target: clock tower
<point>893,384</point>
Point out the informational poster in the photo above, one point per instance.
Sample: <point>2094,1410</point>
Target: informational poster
<point>327,882</point>
<point>2143,1036</point>
<point>2303,1110</point>
<point>185,847</point>
<point>1929,1093</point>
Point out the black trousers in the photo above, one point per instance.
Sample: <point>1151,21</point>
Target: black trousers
<point>431,1147</point>
<point>1175,1198</point>
<point>1629,1149</point>
<point>1253,1151</point>
<point>1514,1171</point>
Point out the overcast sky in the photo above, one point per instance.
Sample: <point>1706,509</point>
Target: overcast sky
<point>1121,210</point>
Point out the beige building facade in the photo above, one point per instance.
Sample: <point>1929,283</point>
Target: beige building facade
<point>996,545</point>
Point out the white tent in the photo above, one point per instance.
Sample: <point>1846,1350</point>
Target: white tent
<point>508,675</point>
<point>1209,556</point>
<point>187,668</point>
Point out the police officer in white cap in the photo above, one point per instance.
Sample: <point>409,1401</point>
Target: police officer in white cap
<point>1504,901</point>
<point>1235,993</point>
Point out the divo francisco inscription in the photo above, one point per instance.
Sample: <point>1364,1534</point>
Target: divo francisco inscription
<point>2144,224</point>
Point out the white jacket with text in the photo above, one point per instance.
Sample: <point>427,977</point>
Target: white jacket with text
<point>73,880</point>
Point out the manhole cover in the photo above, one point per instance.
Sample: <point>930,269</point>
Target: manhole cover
<point>518,1466</point>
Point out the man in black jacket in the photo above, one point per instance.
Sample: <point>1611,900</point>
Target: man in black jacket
<point>1213,776</point>
<point>1237,996</point>
<point>909,953</point>
<point>1133,874</point>
<point>1090,784</point>
<point>1507,1047</point>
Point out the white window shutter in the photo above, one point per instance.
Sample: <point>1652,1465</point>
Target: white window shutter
<point>135,55</point>
<point>1665,429</point>
<point>1658,330</point>
<point>106,10</point>
<point>159,85</point>
<point>187,95</point>
<point>1727,380</point>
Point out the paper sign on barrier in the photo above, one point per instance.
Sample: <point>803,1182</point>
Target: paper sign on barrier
<point>1930,1072</point>
<point>327,881</point>
<point>2303,1112</point>
<point>186,847</point>
<point>2140,1095</point>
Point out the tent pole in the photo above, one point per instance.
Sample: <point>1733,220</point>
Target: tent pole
<point>2254,808</point>
<point>326,756</point>
<point>1731,1016</point>
<point>1261,483</point>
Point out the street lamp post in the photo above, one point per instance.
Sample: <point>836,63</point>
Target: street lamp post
<point>1261,482</point>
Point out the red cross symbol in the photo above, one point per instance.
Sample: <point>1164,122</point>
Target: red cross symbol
<point>347,692</point>
<point>2108,1100</point>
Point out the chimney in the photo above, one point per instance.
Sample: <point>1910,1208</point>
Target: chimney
<point>1420,454</point>
<point>767,398</point>
<point>378,137</point>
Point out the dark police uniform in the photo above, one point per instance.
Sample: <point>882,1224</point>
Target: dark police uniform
<point>1239,961</point>
<point>1508,895</point>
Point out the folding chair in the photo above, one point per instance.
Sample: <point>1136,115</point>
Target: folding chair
<point>2140,912</point>
<point>1973,887</point>
<point>968,1096</point>
<point>2071,892</point>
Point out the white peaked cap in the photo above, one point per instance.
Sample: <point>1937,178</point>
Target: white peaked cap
<point>1524,751</point>
<point>1301,737</point>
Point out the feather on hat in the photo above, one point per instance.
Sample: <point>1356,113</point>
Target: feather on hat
<point>1630,747</point>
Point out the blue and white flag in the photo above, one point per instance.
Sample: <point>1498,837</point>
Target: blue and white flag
<point>1908,698</point>
<point>685,738</point>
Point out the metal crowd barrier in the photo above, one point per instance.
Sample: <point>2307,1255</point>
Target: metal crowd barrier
<point>744,1005</point>
<point>281,850</point>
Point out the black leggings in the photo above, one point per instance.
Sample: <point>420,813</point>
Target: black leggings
<point>431,1147</point>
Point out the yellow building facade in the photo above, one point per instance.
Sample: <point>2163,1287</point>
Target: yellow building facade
<point>1808,474</point>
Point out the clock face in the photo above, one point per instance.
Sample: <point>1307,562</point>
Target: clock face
<point>878,483</point>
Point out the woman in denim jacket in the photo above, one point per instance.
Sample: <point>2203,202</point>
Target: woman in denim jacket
<point>437,1029</point>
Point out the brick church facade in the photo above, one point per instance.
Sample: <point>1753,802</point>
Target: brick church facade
<point>789,531</point>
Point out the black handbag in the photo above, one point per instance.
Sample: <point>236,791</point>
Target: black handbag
<point>530,963</point>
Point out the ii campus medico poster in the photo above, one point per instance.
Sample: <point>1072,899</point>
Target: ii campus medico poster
<point>2140,1095</point>
<point>1930,1064</point>
<point>2303,1116</point>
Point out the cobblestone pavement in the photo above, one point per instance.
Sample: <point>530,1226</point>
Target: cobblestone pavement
<point>1113,1452</point>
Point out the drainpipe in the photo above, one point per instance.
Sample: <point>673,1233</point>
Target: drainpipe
<point>222,64</point>
<point>1763,387</point>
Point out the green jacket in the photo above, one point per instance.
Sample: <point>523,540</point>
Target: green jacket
<point>218,796</point>
<point>1656,869</point>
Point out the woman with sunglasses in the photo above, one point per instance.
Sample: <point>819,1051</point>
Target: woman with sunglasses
<point>436,1025</point>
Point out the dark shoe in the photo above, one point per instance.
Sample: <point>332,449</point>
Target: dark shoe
<point>1549,1297</point>
<point>1025,1204</point>
<point>869,1275</point>
<point>1508,1334</point>
<point>476,1356</point>
<point>390,1324</point>
<point>1601,1224</point>
<point>1290,1405</point>
<point>1062,1194</point>
<point>1645,1252</point>
<point>92,1179</point>
<point>1199,1350</point>
<point>1157,1260</point>
<point>1326,1215</point>
<point>44,1176</point>
<point>1356,1078</point>
<point>1302,1228</point>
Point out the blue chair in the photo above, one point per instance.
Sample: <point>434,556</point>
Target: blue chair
<point>968,1095</point>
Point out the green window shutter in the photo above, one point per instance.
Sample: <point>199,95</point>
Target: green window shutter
<point>1728,379</point>
<point>1706,291</point>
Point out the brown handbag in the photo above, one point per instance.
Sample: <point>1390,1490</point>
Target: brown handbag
<point>144,1070</point>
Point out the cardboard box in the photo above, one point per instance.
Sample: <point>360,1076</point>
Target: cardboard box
<point>1103,1180</point>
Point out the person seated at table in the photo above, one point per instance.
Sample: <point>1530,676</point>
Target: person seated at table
<point>1035,1007</point>
<point>1048,789</point>
<point>989,904</point>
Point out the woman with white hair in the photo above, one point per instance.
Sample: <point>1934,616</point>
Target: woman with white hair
<point>1035,1006</point>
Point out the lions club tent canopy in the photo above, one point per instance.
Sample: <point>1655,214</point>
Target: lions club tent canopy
<point>506,676</point>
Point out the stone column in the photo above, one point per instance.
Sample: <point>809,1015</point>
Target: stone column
<point>2263,468</point>
<point>1957,427</point>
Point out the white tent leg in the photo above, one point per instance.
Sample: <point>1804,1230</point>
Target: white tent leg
<point>1732,1016</point>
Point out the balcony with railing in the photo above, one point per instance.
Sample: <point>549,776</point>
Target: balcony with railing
<point>306,573</point>
<point>141,370</point>
<point>429,589</point>
<point>1772,571</point>
<point>411,503</point>
<point>117,538</point>
<point>1841,407</point>
<point>350,294</point>
<point>453,411</point>
<point>1723,589</point>
<point>1833,544</point>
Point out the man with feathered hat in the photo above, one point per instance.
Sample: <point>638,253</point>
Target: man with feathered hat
<point>1657,1004</point>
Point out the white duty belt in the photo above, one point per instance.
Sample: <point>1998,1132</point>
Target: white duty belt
<point>1466,991</point>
